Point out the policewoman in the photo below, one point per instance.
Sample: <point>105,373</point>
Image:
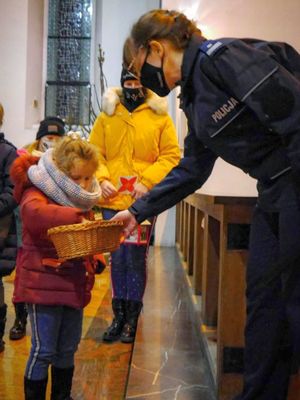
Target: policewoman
<point>242,101</point>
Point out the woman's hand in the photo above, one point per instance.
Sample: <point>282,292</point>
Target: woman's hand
<point>128,219</point>
<point>108,189</point>
<point>139,190</point>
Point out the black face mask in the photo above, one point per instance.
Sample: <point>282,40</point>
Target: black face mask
<point>133,97</point>
<point>153,78</point>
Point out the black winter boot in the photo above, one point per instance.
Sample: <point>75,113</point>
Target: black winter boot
<point>35,390</point>
<point>113,332</point>
<point>133,309</point>
<point>61,385</point>
<point>2,325</point>
<point>18,329</point>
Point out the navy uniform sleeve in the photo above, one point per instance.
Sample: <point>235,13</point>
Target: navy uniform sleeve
<point>272,91</point>
<point>188,176</point>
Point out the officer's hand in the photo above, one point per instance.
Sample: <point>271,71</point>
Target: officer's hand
<point>128,219</point>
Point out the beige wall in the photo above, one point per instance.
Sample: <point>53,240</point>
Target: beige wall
<point>21,43</point>
<point>34,93</point>
<point>265,19</point>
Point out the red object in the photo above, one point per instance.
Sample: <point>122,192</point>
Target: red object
<point>127,184</point>
<point>140,235</point>
<point>18,174</point>
<point>21,152</point>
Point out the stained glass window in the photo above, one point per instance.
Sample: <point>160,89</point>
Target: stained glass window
<point>68,60</point>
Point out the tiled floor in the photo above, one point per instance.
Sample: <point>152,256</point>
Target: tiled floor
<point>167,361</point>
<point>101,370</point>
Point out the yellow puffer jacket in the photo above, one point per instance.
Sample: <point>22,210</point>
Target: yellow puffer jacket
<point>140,146</point>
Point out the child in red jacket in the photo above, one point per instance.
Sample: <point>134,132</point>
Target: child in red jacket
<point>57,189</point>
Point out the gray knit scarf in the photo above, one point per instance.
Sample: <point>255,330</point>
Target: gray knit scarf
<point>59,187</point>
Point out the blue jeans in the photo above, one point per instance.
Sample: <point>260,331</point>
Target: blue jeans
<point>128,268</point>
<point>56,333</point>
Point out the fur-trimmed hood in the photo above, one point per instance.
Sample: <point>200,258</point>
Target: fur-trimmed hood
<point>114,95</point>
<point>18,174</point>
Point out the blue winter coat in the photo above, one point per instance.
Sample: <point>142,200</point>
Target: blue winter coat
<point>8,243</point>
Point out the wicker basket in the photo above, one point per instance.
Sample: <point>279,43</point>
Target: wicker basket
<point>86,239</point>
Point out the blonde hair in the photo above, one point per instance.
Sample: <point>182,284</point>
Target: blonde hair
<point>68,151</point>
<point>163,24</point>
<point>1,114</point>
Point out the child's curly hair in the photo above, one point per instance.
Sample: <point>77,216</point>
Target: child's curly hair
<point>69,150</point>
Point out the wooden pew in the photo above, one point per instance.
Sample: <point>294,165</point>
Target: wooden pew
<point>205,226</point>
<point>210,230</point>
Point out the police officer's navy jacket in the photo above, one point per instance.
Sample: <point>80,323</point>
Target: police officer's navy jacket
<point>242,101</point>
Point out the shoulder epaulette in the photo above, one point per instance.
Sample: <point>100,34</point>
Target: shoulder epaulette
<point>210,47</point>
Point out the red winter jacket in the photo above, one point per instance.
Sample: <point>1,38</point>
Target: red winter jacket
<point>68,285</point>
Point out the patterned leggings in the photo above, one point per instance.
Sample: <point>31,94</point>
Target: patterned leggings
<point>128,268</point>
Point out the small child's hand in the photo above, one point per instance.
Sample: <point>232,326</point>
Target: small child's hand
<point>108,189</point>
<point>139,191</point>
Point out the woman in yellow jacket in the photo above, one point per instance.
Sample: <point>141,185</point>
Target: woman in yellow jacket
<point>138,147</point>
